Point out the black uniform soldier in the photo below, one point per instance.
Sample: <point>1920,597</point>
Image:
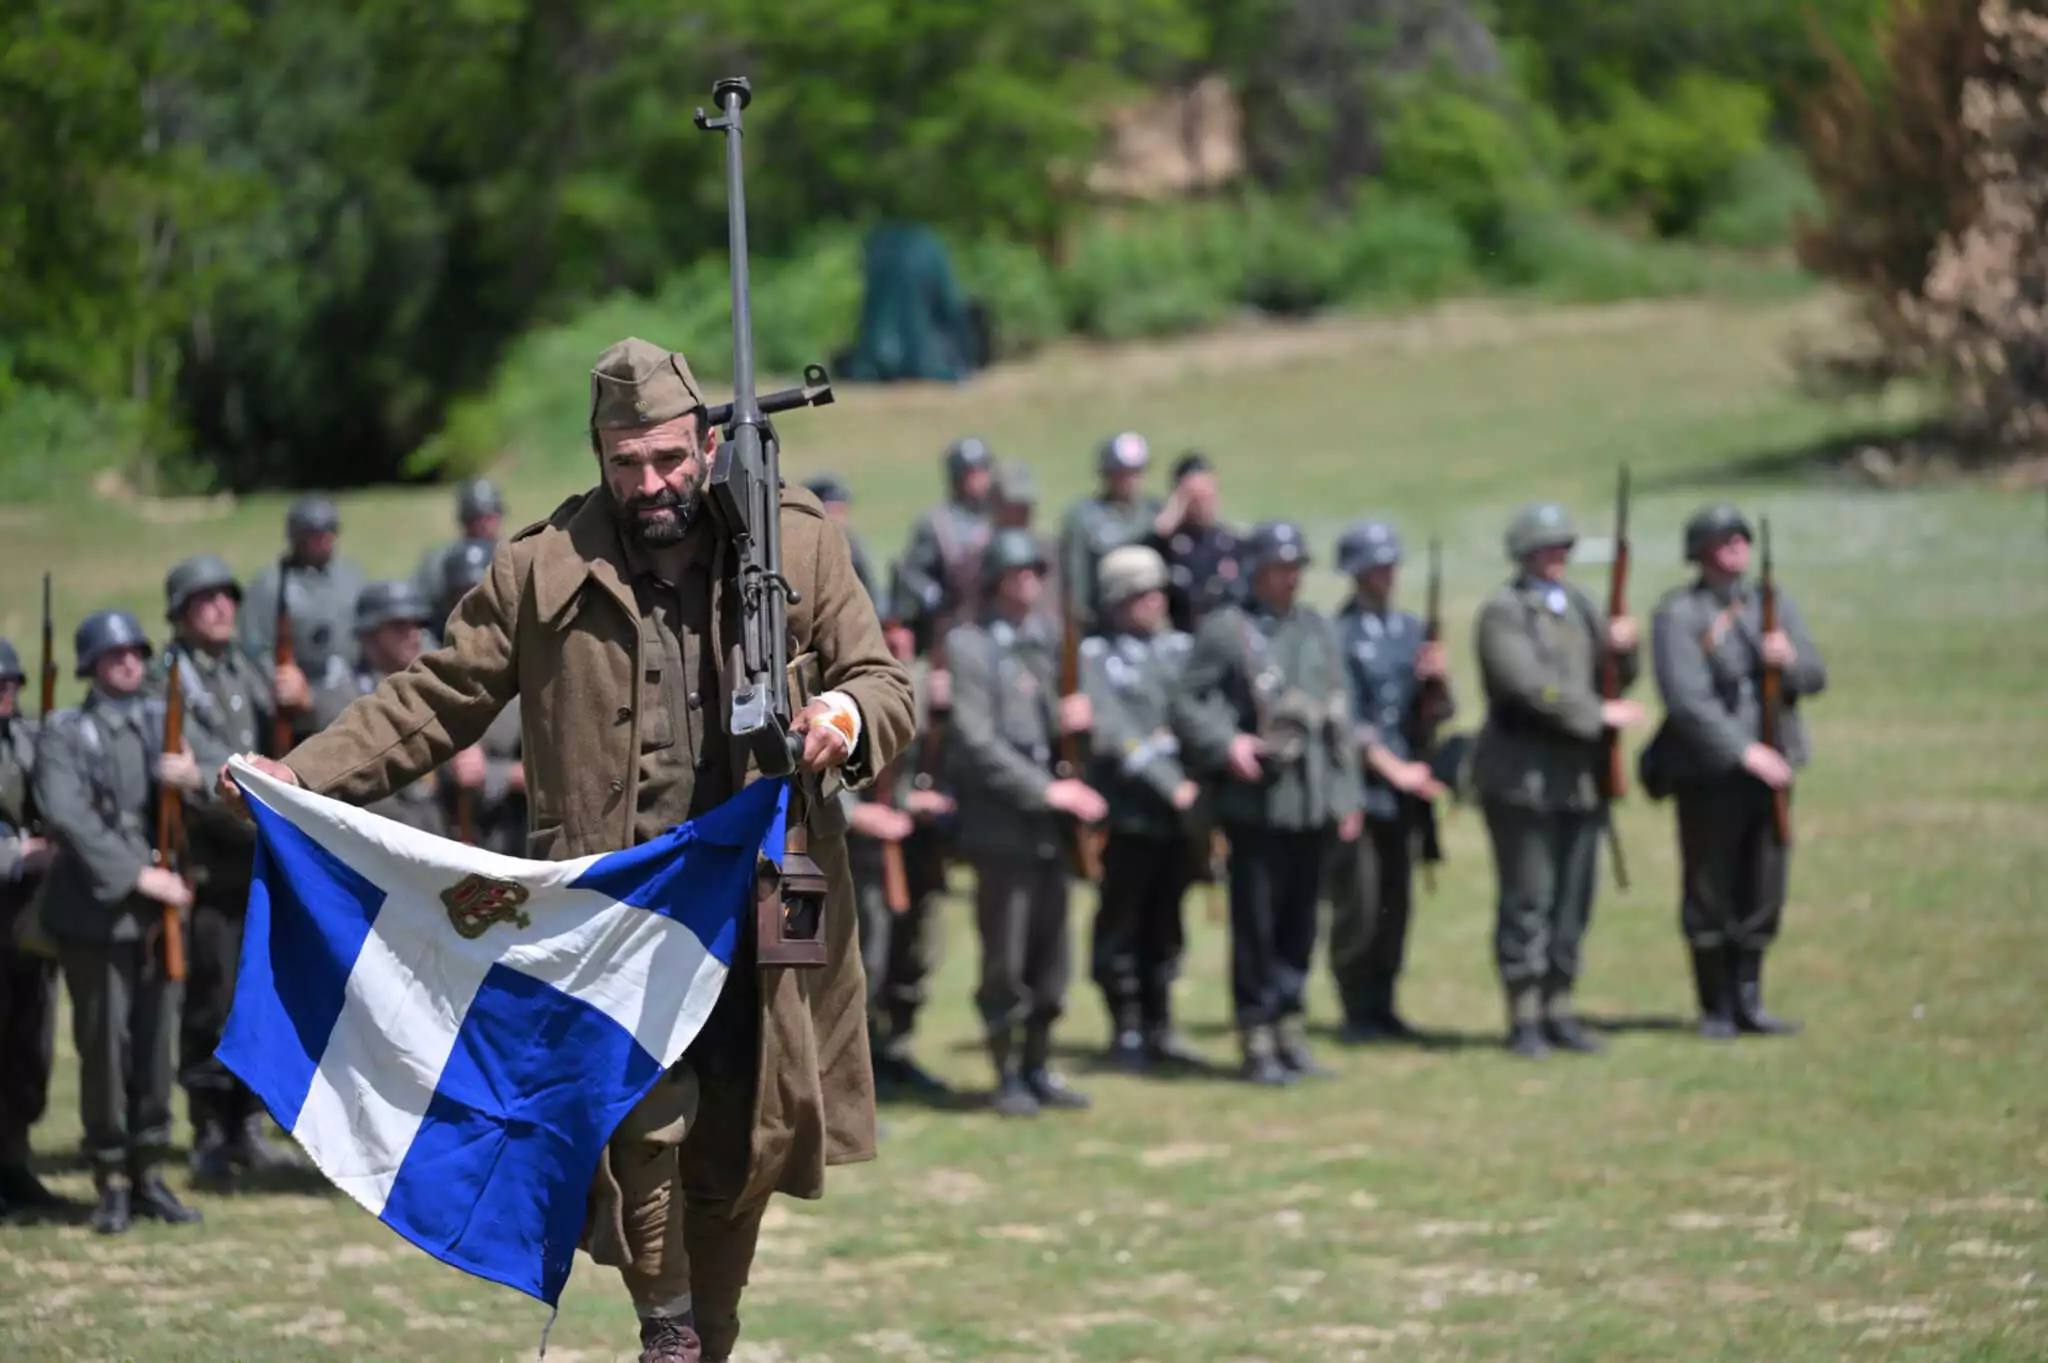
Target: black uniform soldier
<point>1008,717</point>
<point>97,774</point>
<point>485,795</point>
<point>940,571</point>
<point>321,589</point>
<point>1204,557</point>
<point>1264,711</point>
<point>28,979</point>
<point>1120,514</point>
<point>390,626</point>
<point>1129,673</point>
<point>227,708</point>
<point>1541,648</point>
<point>1710,650</point>
<point>1371,882</point>
<point>480,511</point>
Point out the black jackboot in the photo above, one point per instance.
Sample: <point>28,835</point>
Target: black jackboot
<point>1262,1060</point>
<point>250,1146</point>
<point>1011,1098</point>
<point>1290,1047</point>
<point>112,1214</point>
<point>212,1163</point>
<point>1561,1025</point>
<point>1046,1083</point>
<point>1126,1039</point>
<point>1525,1024</point>
<point>1749,998</point>
<point>153,1199</point>
<point>1714,982</point>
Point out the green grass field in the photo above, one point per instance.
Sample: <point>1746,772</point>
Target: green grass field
<point>1872,1190</point>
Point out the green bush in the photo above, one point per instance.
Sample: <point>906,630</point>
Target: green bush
<point>1402,249</point>
<point>1671,160</point>
<point>1149,274</point>
<point>52,442</point>
<point>1017,287</point>
<point>1469,156</point>
<point>1286,257</point>
<point>1764,199</point>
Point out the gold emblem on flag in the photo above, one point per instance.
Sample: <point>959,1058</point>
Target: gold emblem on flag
<point>476,903</point>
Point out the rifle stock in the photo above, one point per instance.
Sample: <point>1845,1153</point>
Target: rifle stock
<point>286,655</point>
<point>49,676</point>
<point>1772,700</point>
<point>1426,714</point>
<point>170,825</point>
<point>1087,845</point>
<point>1613,771</point>
<point>931,756</point>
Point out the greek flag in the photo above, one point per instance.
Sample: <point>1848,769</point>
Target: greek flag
<point>452,1035</point>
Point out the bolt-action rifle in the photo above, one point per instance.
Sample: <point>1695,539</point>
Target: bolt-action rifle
<point>1073,763</point>
<point>745,498</point>
<point>171,852</point>
<point>1612,774</point>
<point>1425,714</point>
<point>1773,690</point>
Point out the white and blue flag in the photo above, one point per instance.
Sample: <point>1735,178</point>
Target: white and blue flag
<point>452,1035</point>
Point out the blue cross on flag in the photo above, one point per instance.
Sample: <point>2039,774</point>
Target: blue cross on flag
<point>451,1034</point>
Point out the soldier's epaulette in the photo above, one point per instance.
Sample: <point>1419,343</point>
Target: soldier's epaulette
<point>1094,646</point>
<point>559,516</point>
<point>802,499</point>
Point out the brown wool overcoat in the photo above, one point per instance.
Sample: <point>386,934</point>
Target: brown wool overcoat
<point>556,624</point>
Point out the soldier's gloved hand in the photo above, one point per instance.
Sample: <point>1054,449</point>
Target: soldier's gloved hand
<point>231,794</point>
<point>1073,797</point>
<point>468,768</point>
<point>1077,716</point>
<point>178,770</point>
<point>1767,765</point>
<point>1778,650</point>
<point>1429,663</point>
<point>165,887</point>
<point>1349,826</point>
<point>929,804</point>
<point>1245,752</point>
<point>288,683</point>
<point>1185,794</point>
<point>1620,714</point>
<point>880,822</point>
<point>1621,634</point>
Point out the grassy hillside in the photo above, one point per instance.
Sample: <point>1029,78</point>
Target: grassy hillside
<point>1872,1190</point>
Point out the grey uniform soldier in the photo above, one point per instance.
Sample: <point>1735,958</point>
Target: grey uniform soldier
<point>97,772</point>
<point>480,511</point>
<point>389,626</point>
<point>1371,881</point>
<point>1710,650</point>
<point>28,980</point>
<point>485,795</point>
<point>320,589</point>
<point>1541,648</point>
<point>1263,711</point>
<point>1120,514</point>
<point>1008,717</point>
<point>1128,673</point>
<point>837,498</point>
<point>228,704</point>
<point>1013,501</point>
<point>940,571</point>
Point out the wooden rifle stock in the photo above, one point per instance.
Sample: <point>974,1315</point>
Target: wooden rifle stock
<point>286,655</point>
<point>1427,712</point>
<point>895,875</point>
<point>931,756</point>
<point>49,677</point>
<point>170,824</point>
<point>1073,762</point>
<point>1613,771</point>
<point>1773,691</point>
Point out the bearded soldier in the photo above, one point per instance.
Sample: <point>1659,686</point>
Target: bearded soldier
<point>1542,646</point>
<point>1710,649</point>
<point>98,771</point>
<point>611,620</point>
<point>1119,514</point>
<point>228,706</point>
<point>28,980</point>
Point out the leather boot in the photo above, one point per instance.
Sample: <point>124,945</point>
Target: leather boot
<point>1714,983</point>
<point>1046,1083</point>
<point>153,1199</point>
<point>1011,1098</point>
<point>22,1191</point>
<point>212,1163</point>
<point>1525,1024</point>
<point>669,1339</point>
<point>112,1214</point>
<point>250,1146</point>
<point>1290,1047</point>
<point>1127,1050</point>
<point>1561,1025</point>
<point>1749,998</point>
<point>1261,1058</point>
<point>1166,1045</point>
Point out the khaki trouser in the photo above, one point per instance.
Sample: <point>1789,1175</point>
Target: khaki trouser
<point>691,1256</point>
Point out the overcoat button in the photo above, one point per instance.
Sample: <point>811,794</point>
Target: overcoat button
<point>625,713</point>
<point>618,786</point>
<point>695,701</point>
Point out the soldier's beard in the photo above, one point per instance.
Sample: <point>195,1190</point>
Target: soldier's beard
<point>677,511</point>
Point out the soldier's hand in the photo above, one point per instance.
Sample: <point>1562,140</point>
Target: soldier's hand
<point>1767,765</point>
<point>929,804</point>
<point>1429,663</point>
<point>515,777</point>
<point>1245,752</point>
<point>1778,650</point>
<point>1349,826</point>
<point>1077,716</point>
<point>36,853</point>
<point>827,744</point>
<point>1620,714</point>
<point>165,887</point>
<point>1077,798</point>
<point>1415,778</point>
<point>938,689</point>
<point>468,768</point>
<point>879,822</point>
<point>231,794</point>
<point>1621,634</point>
<point>1185,794</point>
<point>178,770</point>
<point>288,683</point>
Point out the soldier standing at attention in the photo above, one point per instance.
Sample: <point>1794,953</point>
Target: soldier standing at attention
<point>1710,650</point>
<point>28,981</point>
<point>480,511</point>
<point>1008,717</point>
<point>1371,882</point>
<point>611,621</point>
<point>320,588</point>
<point>837,498</point>
<point>1263,711</point>
<point>1119,514</point>
<point>1541,646</point>
<point>1203,556</point>
<point>227,710</point>
<point>940,571</point>
<point>1128,673</point>
<point>390,631</point>
<point>97,774</point>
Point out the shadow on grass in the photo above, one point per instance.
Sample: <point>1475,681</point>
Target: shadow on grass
<point>1788,462</point>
